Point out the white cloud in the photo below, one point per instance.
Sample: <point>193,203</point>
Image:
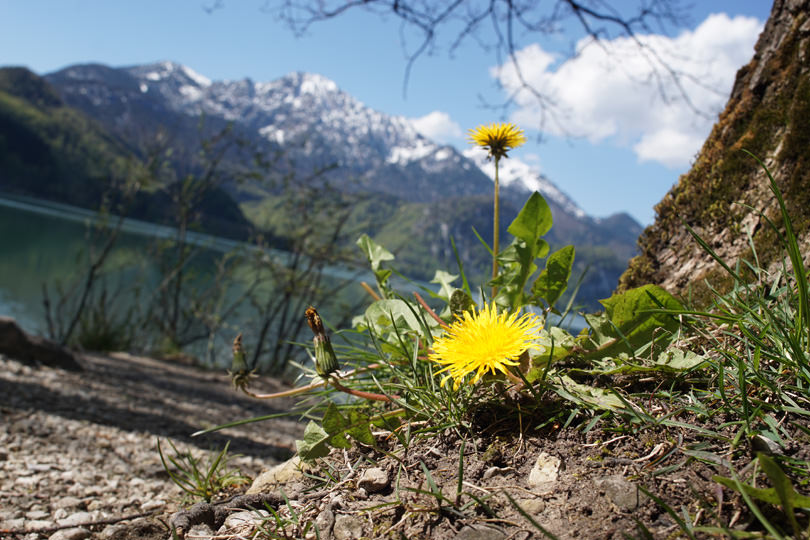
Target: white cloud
<point>610,90</point>
<point>437,126</point>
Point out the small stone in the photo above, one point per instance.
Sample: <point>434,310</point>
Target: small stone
<point>111,531</point>
<point>76,533</point>
<point>544,474</point>
<point>27,481</point>
<point>67,502</point>
<point>347,527</point>
<point>39,524</point>
<point>373,480</point>
<point>17,523</point>
<point>240,523</point>
<point>37,514</point>
<point>75,519</point>
<point>533,507</point>
<point>268,480</point>
<point>153,504</point>
<point>624,494</point>
<point>200,530</point>
<point>325,521</point>
<point>479,532</point>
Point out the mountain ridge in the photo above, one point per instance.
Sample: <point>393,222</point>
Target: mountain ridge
<point>315,124</point>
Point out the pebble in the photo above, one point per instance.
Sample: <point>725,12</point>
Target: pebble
<point>543,475</point>
<point>68,461</point>
<point>75,533</point>
<point>347,527</point>
<point>479,532</point>
<point>77,518</point>
<point>621,492</point>
<point>153,504</point>
<point>373,479</point>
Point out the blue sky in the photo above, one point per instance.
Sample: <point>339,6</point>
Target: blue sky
<point>628,147</point>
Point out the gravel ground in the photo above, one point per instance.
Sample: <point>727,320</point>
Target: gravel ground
<point>78,450</point>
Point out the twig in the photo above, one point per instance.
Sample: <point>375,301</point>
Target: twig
<point>364,395</point>
<point>214,514</point>
<point>430,311</point>
<point>310,386</point>
<point>370,291</point>
<point>91,523</point>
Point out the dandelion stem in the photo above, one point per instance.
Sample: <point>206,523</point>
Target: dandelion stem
<point>370,291</point>
<point>495,228</point>
<point>430,311</point>
<point>359,393</point>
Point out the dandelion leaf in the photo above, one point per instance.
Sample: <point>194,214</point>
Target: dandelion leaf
<point>460,302</point>
<point>557,345</point>
<point>632,320</point>
<point>583,394</point>
<point>533,221</point>
<point>374,252</point>
<point>444,280</point>
<point>314,444</point>
<point>383,315</point>
<point>355,425</point>
<point>553,280</point>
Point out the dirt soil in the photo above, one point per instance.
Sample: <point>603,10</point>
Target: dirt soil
<point>518,479</point>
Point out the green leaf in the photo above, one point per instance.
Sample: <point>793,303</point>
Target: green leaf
<point>383,314</point>
<point>767,495</point>
<point>374,252</point>
<point>335,426</point>
<point>460,302</point>
<point>587,395</point>
<point>444,279</point>
<point>563,343</point>
<point>357,425</point>
<point>788,497</point>
<point>533,221</point>
<point>633,319</point>
<point>360,428</point>
<point>553,281</point>
<point>314,444</point>
<point>675,359</point>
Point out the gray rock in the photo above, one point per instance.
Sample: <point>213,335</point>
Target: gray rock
<point>37,514</point>
<point>66,502</point>
<point>283,473</point>
<point>39,524</point>
<point>533,506</point>
<point>76,533</point>
<point>373,480</point>
<point>324,522</point>
<point>479,532</point>
<point>347,527</point>
<point>76,519</point>
<point>16,523</point>
<point>153,504</point>
<point>243,524</point>
<point>33,350</point>
<point>624,494</point>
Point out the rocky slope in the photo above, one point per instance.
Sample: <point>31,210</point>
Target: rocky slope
<point>722,196</point>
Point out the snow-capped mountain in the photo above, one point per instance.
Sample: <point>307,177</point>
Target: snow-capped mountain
<point>425,186</point>
<point>312,119</point>
<point>519,175</point>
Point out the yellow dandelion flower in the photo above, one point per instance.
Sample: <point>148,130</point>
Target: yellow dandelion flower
<point>484,342</point>
<point>497,138</point>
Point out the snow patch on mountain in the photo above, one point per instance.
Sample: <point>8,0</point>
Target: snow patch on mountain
<point>310,113</point>
<point>514,172</point>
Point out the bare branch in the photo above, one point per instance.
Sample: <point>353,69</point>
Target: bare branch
<point>513,24</point>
